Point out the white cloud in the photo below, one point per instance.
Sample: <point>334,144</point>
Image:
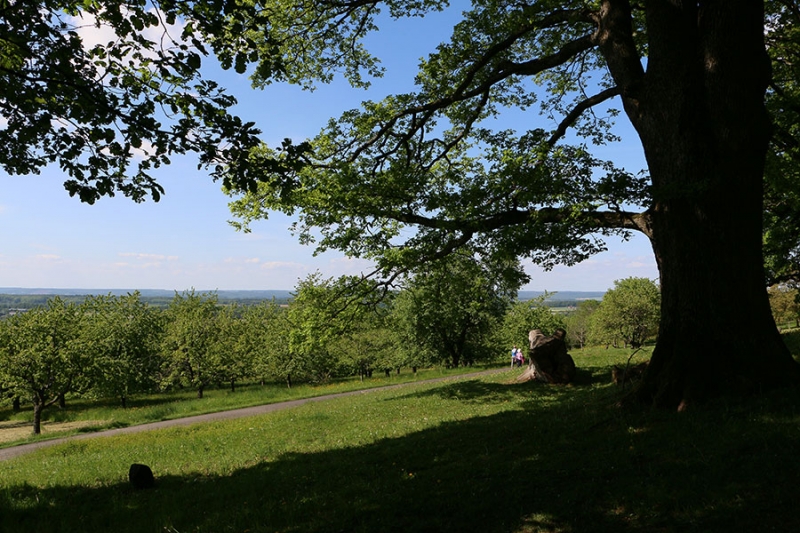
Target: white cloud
<point>238,260</point>
<point>93,34</point>
<point>148,257</point>
<point>145,150</point>
<point>274,265</point>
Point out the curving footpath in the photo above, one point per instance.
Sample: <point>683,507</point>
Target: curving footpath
<point>15,451</point>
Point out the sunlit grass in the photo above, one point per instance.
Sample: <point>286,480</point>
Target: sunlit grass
<point>105,414</point>
<point>487,454</point>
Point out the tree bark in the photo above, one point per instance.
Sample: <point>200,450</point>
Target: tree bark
<point>38,407</point>
<point>700,114</point>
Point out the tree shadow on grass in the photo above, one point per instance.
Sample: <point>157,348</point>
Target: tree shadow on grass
<point>561,465</point>
<point>478,391</point>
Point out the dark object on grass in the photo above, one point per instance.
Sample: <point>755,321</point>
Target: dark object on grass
<point>141,477</point>
<point>625,374</point>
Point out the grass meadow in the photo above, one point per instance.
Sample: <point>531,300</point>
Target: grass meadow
<point>91,415</point>
<point>480,454</point>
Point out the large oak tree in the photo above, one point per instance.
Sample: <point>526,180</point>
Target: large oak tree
<point>691,79</point>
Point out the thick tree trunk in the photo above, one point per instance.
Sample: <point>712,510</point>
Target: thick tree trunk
<point>701,118</point>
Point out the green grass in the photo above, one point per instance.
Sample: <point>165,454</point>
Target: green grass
<point>106,414</point>
<point>483,455</point>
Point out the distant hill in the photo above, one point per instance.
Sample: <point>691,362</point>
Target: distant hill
<point>257,294</point>
<point>16,299</point>
<point>562,296</point>
<point>148,293</point>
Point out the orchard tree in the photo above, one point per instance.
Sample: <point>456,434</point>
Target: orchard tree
<point>629,313</point>
<point>405,324</point>
<point>322,311</point>
<point>579,322</point>
<point>42,356</point>
<point>267,335</point>
<point>368,347</point>
<point>456,302</point>
<point>415,176</point>
<point>784,299</point>
<point>191,333</point>
<point>122,338</point>
<point>232,353</point>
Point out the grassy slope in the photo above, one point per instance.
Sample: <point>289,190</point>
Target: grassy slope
<point>94,415</point>
<point>484,455</point>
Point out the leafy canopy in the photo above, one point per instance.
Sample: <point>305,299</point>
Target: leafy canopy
<point>452,306</point>
<point>629,312</point>
<point>417,175</point>
<point>110,90</point>
<point>782,201</point>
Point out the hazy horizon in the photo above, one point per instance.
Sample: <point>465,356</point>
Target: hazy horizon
<point>45,291</point>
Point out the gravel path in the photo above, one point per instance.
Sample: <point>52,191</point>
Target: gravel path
<point>15,451</point>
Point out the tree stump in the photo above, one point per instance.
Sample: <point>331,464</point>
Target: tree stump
<point>549,361</point>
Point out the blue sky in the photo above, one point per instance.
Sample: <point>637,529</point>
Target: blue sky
<point>184,241</point>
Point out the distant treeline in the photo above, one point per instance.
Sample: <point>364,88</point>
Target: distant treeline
<point>13,300</point>
<point>13,303</point>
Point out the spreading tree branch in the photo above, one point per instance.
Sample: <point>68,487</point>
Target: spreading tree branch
<point>623,220</point>
<point>578,110</point>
